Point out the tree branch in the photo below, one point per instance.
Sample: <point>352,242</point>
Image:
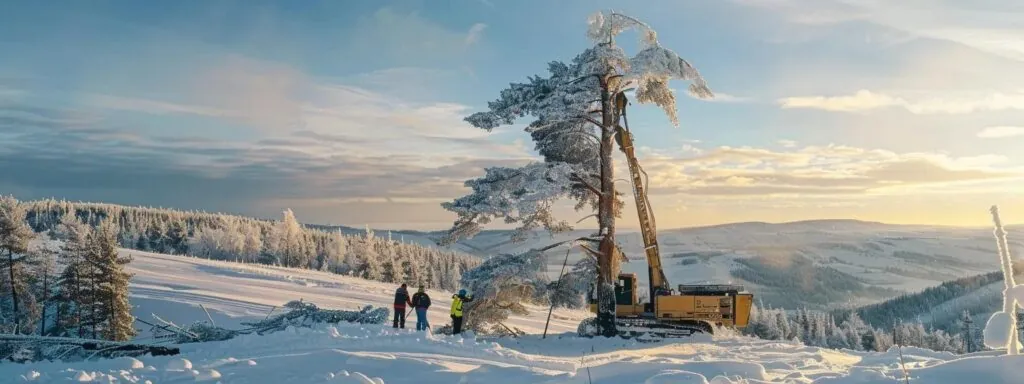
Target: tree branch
<point>586,217</point>
<point>587,185</point>
<point>591,120</point>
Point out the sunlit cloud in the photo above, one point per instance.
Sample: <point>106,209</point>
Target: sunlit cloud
<point>865,100</point>
<point>1002,131</point>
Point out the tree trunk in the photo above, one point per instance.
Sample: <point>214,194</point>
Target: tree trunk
<point>46,300</point>
<point>14,290</point>
<point>607,262</point>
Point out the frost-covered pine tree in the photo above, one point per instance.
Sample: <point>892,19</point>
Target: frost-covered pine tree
<point>74,281</point>
<point>18,301</point>
<point>577,111</point>
<point>177,237</point>
<point>337,248</point>
<point>253,246</point>
<point>500,286</point>
<point>45,271</point>
<point>286,241</point>
<point>113,311</point>
<point>370,265</point>
<point>156,236</point>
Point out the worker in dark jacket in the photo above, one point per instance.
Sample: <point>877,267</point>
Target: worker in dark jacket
<point>421,302</point>
<point>457,301</point>
<point>401,299</point>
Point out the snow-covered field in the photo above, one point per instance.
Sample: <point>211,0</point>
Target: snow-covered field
<point>174,286</point>
<point>371,355</point>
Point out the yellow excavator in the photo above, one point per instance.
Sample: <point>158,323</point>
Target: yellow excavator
<point>668,313</point>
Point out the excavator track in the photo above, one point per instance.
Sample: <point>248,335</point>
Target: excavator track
<point>650,330</point>
<point>653,330</point>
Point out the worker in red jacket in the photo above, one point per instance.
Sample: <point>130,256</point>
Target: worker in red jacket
<point>401,300</point>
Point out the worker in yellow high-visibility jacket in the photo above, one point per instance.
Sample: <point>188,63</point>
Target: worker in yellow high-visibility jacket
<point>457,301</point>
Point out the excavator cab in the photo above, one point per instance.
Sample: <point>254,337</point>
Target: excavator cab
<point>627,301</point>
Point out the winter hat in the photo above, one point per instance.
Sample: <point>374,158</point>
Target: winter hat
<point>462,292</point>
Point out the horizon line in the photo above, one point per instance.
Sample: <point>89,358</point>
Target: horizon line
<point>622,229</point>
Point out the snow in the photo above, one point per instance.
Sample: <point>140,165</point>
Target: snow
<point>1001,328</point>
<point>350,353</point>
<point>173,286</point>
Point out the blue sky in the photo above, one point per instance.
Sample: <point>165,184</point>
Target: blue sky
<point>350,112</point>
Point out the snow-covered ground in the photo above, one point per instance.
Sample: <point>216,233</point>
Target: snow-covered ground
<point>174,286</point>
<point>372,355</point>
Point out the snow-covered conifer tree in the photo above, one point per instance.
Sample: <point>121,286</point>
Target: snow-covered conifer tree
<point>337,248</point>
<point>578,110</point>
<point>113,315</point>
<point>286,241</point>
<point>500,285</point>
<point>177,237</point>
<point>45,271</point>
<point>18,300</point>
<point>75,279</point>
<point>253,246</point>
<point>156,236</point>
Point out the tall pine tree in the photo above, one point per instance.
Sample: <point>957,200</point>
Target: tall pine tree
<point>19,304</point>
<point>578,111</point>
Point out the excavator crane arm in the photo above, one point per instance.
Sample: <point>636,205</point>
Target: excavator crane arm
<point>648,228</point>
<point>694,308</point>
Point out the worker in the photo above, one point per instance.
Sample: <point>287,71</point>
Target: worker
<point>421,301</point>
<point>401,299</point>
<point>457,301</point>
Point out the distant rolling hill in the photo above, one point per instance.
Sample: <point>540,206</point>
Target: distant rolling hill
<point>943,306</point>
<point>818,264</point>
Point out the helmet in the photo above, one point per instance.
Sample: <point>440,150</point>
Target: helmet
<point>462,292</point>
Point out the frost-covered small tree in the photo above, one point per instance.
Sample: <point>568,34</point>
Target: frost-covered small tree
<point>577,111</point>
<point>253,245</point>
<point>75,280</point>
<point>500,286</point>
<point>287,241</point>
<point>156,236</point>
<point>19,302</point>
<point>337,248</point>
<point>1001,328</point>
<point>177,237</point>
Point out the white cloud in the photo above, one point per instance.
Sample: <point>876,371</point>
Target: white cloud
<point>10,93</point>
<point>475,33</point>
<point>787,143</point>
<point>986,26</point>
<point>720,97</point>
<point>154,107</point>
<point>859,101</point>
<point>913,102</point>
<point>833,170</point>
<point>998,132</point>
<point>375,118</point>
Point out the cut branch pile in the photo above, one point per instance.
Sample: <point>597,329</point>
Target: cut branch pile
<point>302,314</point>
<point>25,348</point>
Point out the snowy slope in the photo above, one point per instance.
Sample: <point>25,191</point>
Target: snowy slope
<point>871,261</point>
<point>174,286</point>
